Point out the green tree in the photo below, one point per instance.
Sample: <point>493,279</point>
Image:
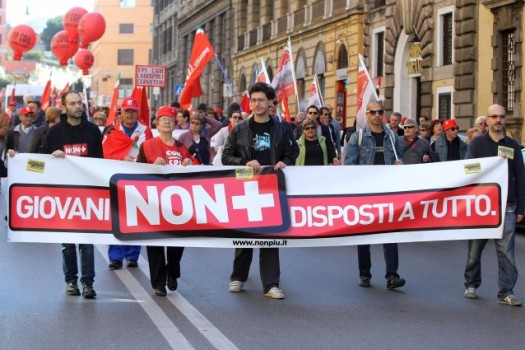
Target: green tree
<point>33,56</point>
<point>53,26</point>
<point>5,81</point>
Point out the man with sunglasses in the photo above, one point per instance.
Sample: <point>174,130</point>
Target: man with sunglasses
<point>449,146</point>
<point>376,144</point>
<point>496,143</point>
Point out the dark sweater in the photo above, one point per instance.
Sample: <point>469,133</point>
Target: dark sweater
<point>80,140</point>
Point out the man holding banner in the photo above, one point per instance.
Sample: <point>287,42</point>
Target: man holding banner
<point>496,143</point>
<point>256,142</point>
<point>74,135</point>
<point>376,145</point>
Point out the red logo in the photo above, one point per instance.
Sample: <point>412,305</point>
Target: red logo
<point>213,204</point>
<point>78,149</point>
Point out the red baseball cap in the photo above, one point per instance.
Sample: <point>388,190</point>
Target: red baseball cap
<point>449,123</point>
<point>25,110</point>
<point>130,103</point>
<point>218,110</point>
<point>165,111</point>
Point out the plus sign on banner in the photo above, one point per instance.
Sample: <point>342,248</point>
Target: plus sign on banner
<point>180,205</point>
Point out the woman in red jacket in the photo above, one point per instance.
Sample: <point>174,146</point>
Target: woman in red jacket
<point>164,150</point>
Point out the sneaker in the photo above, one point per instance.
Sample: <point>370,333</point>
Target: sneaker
<point>133,263</point>
<point>470,293</point>
<point>172,284</point>
<point>72,288</point>
<point>510,300</point>
<point>395,282</point>
<point>364,281</point>
<point>115,265</point>
<point>274,293</point>
<point>88,292</point>
<point>235,286</point>
<point>161,291</point>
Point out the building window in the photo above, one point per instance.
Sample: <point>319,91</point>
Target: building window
<point>379,53</point>
<point>508,71</point>
<point>377,3</point>
<point>127,3</point>
<point>125,57</point>
<point>446,35</point>
<point>444,102</point>
<point>126,28</point>
<point>125,87</point>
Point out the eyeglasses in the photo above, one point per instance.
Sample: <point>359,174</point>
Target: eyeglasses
<point>98,119</point>
<point>313,112</point>
<point>309,128</point>
<point>258,100</point>
<point>195,122</point>
<point>409,127</point>
<point>495,116</point>
<point>376,111</point>
<point>454,129</point>
<point>482,124</point>
<point>423,130</point>
<point>236,117</point>
<point>327,114</point>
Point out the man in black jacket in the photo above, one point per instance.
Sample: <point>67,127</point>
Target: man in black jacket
<point>74,135</point>
<point>260,140</point>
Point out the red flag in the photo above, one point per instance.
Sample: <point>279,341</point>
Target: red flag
<point>283,81</point>
<point>116,145</point>
<point>113,107</point>
<point>141,95</point>
<point>201,53</point>
<point>12,100</point>
<point>245,103</point>
<point>62,93</point>
<point>314,98</point>
<point>365,92</point>
<point>263,74</point>
<point>286,110</point>
<point>45,100</point>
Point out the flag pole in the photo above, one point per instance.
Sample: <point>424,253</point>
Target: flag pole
<point>226,78</point>
<point>293,75</point>
<point>319,90</point>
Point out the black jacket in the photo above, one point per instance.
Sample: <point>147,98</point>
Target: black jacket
<point>81,140</point>
<point>238,148</point>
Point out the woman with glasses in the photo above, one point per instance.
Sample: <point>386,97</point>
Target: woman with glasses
<point>198,138</point>
<point>416,149</point>
<point>313,148</point>
<point>235,117</point>
<point>164,150</point>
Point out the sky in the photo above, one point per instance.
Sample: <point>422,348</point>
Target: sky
<point>16,9</point>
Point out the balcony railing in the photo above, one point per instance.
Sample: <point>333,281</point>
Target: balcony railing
<point>317,11</point>
<point>298,18</point>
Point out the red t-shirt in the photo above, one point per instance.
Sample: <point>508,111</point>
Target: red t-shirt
<point>154,148</point>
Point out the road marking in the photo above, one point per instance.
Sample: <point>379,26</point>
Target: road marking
<point>203,325</point>
<point>166,327</point>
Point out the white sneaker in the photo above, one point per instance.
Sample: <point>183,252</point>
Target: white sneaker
<point>274,293</point>
<point>470,293</point>
<point>235,286</point>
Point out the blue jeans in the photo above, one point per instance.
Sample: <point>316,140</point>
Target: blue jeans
<point>87,262</point>
<point>507,271</point>
<point>391,259</point>
<point>119,252</point>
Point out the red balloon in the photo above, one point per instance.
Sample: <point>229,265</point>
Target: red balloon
<point>84,60</point>
<point>21,38</point>
<point>60,47</point>
<point>91,28</point>
<point>73,48</point>
<point>70,22</point>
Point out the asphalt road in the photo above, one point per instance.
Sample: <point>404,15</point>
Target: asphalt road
<point>324,306</point>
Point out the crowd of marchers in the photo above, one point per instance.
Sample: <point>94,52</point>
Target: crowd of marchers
<point>257,139</point>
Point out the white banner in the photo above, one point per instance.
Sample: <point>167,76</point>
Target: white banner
<point>86,200</point>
